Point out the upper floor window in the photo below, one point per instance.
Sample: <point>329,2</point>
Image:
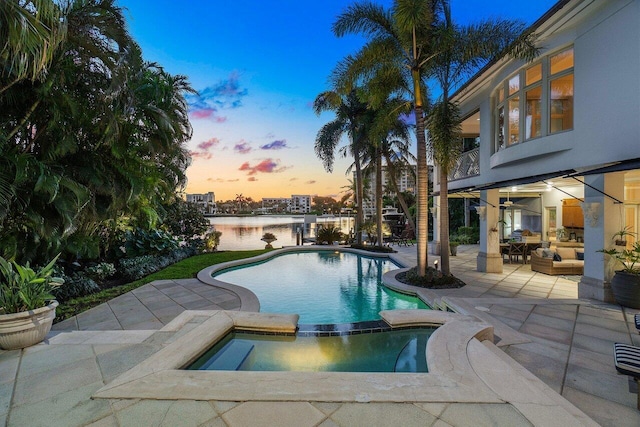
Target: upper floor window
<point>536,101</point>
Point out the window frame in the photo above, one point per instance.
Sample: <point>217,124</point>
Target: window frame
<point>544,83</point>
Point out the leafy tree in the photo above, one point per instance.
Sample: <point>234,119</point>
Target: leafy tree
<point>91,135</point>
<point>185,220</point>
<point>349,111</point>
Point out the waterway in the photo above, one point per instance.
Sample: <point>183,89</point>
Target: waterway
<point>245,232</point>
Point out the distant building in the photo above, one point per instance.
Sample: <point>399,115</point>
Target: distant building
<point>275,205</point>
<point>295,204</point>
<point>406,182</point>
<point>206,202</point>
<point>300,203</point>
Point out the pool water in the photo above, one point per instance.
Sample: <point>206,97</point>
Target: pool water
<point>389,351</point>
<point>322,286</point>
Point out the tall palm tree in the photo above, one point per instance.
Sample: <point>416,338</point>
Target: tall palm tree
<point>460,51</point>
<point>396,55</point>
<point>387,133</point>
<point>350,112</point>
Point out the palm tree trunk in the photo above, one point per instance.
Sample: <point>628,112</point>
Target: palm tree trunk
<point>422,179</point>
<point>444,221</point>
<point>379,194</point>
<point>359,198</point>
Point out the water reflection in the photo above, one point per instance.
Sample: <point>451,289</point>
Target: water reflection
<point>244,233</point>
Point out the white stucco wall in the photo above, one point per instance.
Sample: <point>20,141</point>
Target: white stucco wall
<point>606,40</point>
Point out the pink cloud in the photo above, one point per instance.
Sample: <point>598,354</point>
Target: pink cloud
<point>252,179</point>
<point>203,113</point>
<point>206,145</point>
<point>242,147</point>
<point>221,119</point>
<point>200,155</point>
<point>265,166</point>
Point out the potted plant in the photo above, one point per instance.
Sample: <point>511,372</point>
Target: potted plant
<point>268,238</point>
<point>625,283</point>
<point>620,237</point>
<point>27,305</point>
<point>453,247</point>
<point>494,229</point>
<point>561,233</point>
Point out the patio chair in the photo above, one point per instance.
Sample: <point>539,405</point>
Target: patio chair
<point>627,361</point>
<point>515,250</point>
<point>636,317</point>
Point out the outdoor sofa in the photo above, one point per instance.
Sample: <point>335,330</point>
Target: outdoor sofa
<point>558,260</point>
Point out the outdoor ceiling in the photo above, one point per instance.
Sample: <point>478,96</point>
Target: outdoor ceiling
<point>631,179</point>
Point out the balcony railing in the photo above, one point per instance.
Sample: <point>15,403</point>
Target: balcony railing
<point>468,164</point>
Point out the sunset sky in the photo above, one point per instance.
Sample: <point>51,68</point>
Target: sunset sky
<point>258,65</point>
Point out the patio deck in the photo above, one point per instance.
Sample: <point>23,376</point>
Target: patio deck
<point>565,342</point>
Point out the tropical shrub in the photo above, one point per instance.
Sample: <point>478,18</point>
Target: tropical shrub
<point>142,242</point>
<point>467,235</point>
<point>185,221</point>
<point>328,234</point>
<point>100,271</point>
<point>211,240</point>
<point>135,268</point>
<point>76,285</point>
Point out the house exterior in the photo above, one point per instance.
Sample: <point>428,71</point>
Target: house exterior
<point>206,202</point>
<point>554,145</point>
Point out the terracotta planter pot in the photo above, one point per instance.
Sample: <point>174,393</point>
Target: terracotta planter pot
<point>20,330</point>
<point>626,289</point>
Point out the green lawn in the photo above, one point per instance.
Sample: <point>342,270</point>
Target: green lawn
<point>184,269</point>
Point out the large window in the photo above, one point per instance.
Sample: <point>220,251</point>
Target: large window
<point>538,101</point>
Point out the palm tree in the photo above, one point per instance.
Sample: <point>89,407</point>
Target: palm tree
<point>461,50</point>
<point>29,40</point>
<point>349,111</point>
<point>396,56</point>
<point>386,133</point>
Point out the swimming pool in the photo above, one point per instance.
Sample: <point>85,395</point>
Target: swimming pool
<point>322,286</point>
<point>382,351</point>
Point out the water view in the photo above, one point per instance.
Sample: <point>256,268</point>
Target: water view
<point>244,233</point>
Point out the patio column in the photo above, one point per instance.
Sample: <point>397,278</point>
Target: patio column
<point>489,259</point>
<point>602,218</point>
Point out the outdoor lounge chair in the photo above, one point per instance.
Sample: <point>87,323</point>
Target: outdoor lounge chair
<point>627,361</point>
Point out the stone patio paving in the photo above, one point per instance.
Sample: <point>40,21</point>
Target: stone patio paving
<point>565,342</point>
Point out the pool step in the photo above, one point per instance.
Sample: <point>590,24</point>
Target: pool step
<point>413,357</point>
<point>235,356</point>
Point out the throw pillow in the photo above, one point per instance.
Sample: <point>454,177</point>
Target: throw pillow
<point>580,255</point>
<point>557,257</point>
<point>547,253</point>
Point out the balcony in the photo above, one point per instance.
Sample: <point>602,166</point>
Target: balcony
<point>468,164</point>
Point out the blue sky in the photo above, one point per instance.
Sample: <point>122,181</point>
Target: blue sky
<point>258,65</point>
